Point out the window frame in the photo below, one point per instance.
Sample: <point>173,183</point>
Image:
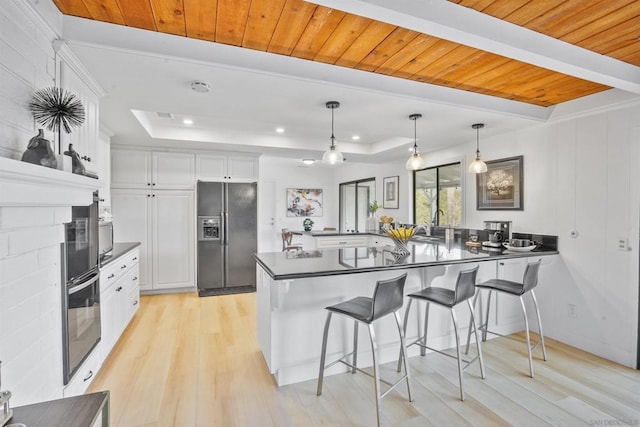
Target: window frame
<point>356,182</point>
<point>462,189</point>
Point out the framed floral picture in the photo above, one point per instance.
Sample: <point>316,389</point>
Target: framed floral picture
<point>304,202</point>
<point>501,186</point>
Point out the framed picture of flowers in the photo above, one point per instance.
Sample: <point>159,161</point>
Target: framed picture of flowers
<point>501,186</point>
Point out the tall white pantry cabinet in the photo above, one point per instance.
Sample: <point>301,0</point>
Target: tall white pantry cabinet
<point>152,202</point>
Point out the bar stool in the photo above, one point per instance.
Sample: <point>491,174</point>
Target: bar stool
<point>387,299</point>
<point>529,281</point>
<point>463,291</point>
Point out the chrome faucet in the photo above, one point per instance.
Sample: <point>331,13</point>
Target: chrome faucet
<point>425,227</point>
<point>434,220</point>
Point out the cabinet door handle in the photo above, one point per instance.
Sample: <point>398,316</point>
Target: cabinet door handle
<point>135,278</point>
<point>134,258</point>
<point>119,288</point>
<point>88,159</point>
<point>148,183</point>
<point>502,263</point>
<point>153,184</point>
<point>111,276</point>
<point>88,377</point>
<point>148,195</point>
<point>123,266</point>
<point>153,195</point>
<point>135,302</point>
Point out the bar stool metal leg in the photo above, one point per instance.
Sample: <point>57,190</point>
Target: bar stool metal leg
<point>486,321</point>
<point>403,350</point>
<point>423,350</point>
<point>471,321</point>
<point>355,347</point>
<point>324,352</point>
<point>544,348</point>
<point>455,330</point>
<point>376,370</point>
<point>475,331</point>
<point>526,330</point>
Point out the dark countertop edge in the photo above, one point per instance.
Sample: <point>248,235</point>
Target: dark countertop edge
<point>119,249</point>
<point>400,266</point>
<point>73,411</point>
<point>334,233</point>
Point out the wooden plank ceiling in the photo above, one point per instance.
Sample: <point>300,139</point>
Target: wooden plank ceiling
<point>305,30</point>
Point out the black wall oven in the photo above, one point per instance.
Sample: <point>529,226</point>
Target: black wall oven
<point>80,288</point>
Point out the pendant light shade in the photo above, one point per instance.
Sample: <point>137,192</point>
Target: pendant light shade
<point>416,161</point>
<point>332,156</point>
<point>478,166</point>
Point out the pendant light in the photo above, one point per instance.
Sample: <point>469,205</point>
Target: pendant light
<point>332,155</point>
<point>415,162</point>
<point>478,166</point>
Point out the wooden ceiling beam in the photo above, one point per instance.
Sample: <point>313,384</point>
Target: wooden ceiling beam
<point>471,28</point>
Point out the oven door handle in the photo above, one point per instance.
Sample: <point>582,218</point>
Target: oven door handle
<point>81,286</point>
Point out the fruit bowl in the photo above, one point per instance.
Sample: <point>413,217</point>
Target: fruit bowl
<point>400,237</point>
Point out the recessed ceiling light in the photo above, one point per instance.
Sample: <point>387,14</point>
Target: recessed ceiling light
<point>356,137</point>
<point>187,121</point>
<point>308,161</point>
<point>200,87</point>
<point>280,130</point>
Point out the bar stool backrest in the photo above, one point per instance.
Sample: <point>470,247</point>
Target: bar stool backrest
<point>387,297</point>
<point>287,237</point>
<point>530,278</point>
<point>466,285</point>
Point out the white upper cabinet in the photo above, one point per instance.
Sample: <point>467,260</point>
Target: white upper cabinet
<point>152,170</point>
<point>226,168</point>
<point>85,137</point>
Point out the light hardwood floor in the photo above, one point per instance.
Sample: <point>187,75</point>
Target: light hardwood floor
<point>189,361</point>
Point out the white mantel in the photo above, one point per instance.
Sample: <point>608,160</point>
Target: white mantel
<point>26,184</point>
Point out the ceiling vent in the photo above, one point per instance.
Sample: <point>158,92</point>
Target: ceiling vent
<point>200,87</point>
<point>164,115</point>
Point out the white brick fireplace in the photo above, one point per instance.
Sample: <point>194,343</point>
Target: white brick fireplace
<point>35,202</point>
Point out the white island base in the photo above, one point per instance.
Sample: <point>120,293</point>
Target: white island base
<point>291,316</point>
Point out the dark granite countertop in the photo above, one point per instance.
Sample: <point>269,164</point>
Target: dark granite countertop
<point>78,411</point>
<point>119,249</point>
<point>330,262</point>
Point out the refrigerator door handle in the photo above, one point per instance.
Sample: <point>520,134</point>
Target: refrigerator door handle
<point>223,228</point>
<point>226,228</point>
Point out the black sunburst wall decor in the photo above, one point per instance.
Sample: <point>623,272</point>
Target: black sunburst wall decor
<point>55,107</point>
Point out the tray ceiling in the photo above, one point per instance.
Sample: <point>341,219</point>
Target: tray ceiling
<point>309,31</point>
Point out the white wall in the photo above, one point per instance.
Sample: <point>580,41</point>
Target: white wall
<point>276,175</point>
<point>580,175</point>
<point>26,65</point>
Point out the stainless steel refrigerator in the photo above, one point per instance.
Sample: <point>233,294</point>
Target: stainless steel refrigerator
<point>227,228</point>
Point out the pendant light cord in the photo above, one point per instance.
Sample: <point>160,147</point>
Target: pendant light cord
<point>415,136</point>
<point>478,141</point>
<point>333,138</point>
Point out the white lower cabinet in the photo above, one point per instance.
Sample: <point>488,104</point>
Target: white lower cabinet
<point>85,375</point>
<point>164,224</point>
<point>118,291</point>
<point>332,242</point>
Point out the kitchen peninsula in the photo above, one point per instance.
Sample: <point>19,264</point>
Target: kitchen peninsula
<point>294,287</point>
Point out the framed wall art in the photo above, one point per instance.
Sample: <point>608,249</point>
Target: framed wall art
<point>501,186</point>
<point>390,192</point>
<point>304,202</point>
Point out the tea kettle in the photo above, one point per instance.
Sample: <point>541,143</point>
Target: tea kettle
<point>496,237</point>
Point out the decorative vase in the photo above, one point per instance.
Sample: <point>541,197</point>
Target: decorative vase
<point>400,248</point>
<point>39,151</point>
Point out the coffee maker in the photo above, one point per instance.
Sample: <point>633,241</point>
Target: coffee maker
<point>497,232</point>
